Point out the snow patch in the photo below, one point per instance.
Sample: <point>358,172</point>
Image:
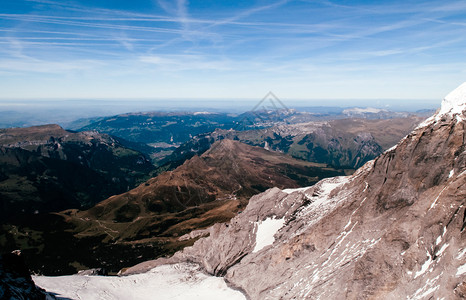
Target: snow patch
<point>440,237</point>
<point>265,232</point>
<point>391,148</point>
<point>430,286</point>
<point>364,169</point>
<point>266,146</point>
<point>425,266</point>
<point>420,295</point>
<point>177,282</point>
<point>435,201</point>
<point>320,201</point>
<point>289,191</point>
<point>440,251</point>
<point>452,172</point>
<point>365,188</point>
<point>461,254</point>
<point>461,270</point>
<point>197,113</point>
<point>330,185</point>
<point>358,110</point>
<point>347,224</point>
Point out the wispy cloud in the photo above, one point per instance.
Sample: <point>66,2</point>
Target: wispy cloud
<point>174,63</point>
<point>260,41</point>
<point>249,12</point>
<point>31,65</point>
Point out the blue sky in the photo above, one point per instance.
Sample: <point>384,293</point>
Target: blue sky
<point>160,49</point>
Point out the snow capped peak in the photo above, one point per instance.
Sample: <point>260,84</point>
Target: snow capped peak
<point>454,102</point>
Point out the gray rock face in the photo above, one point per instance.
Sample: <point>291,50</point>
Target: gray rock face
<point>393,230</point>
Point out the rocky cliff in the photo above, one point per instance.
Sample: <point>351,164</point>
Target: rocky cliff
<point>393,230</point>
<point>16,282</point>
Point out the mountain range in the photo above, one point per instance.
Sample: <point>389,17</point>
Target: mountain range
<point>208,180</point>
<point>205,190</point>
<point>344,144</point>
<point>165,132</point>
<point>395,229</point>
<point>46,168</point>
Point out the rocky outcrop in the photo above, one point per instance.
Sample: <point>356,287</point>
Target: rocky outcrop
<point>393,230</point>
<point>16,282</point>
<point>93,272</point>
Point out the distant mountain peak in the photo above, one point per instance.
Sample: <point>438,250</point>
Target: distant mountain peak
<point>454,102</point>
<point>228,143</point>
<point>228,147</point>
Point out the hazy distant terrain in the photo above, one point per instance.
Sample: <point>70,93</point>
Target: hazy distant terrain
<point>342,143</point>
<point>165,132</point>
<point>74,114</point>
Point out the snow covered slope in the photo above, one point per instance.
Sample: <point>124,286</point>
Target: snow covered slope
<point>177,282</point>
<point>454,102</point>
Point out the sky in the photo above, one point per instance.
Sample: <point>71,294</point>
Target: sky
<point>206,49</point>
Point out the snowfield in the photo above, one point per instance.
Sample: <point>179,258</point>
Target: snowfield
<point>265,231</point>
<point>174,282</point>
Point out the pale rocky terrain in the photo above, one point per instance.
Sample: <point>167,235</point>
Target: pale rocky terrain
<point>395,229</point>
